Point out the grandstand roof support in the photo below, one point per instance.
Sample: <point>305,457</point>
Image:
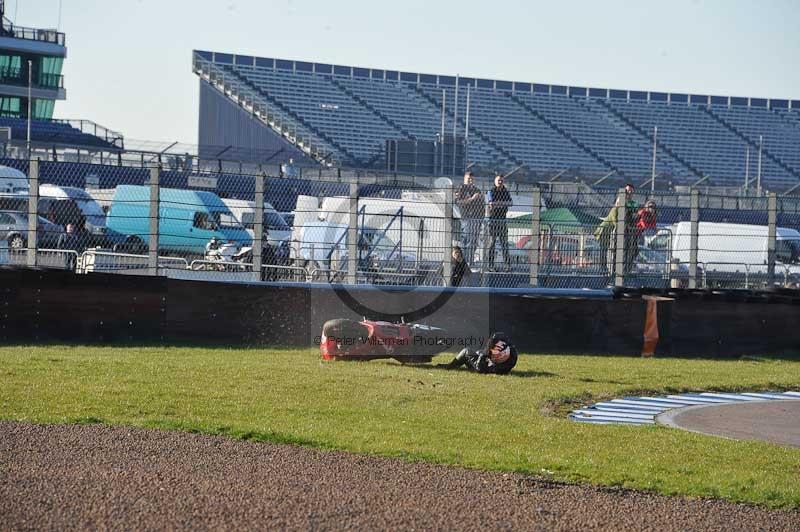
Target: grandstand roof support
<point>649,181</point>
<point>229,146</point>
<point>758,177</point>
<point>612,172</point>
<point>514,171</point>
<point>165,150</point>
<point>746,168</point>
<point>441,139</point>
<point>701,180</point>
<point>655,151</point>
<point>559,174</point>
<point>792,189</point>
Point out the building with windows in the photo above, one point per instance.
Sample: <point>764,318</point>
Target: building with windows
<point>30,64</point>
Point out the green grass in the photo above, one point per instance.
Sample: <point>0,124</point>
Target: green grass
<point>513,423</point>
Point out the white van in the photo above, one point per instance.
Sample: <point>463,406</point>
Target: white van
<point>415,222</point>
<point>70,205</point>
<point>276,229</point>
<point>725,247</point>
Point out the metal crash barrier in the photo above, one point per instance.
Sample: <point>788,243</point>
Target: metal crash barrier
<point>112,262</point>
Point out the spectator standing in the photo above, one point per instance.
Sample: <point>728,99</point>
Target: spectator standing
<point>605,230</point>
<point>69,241</point>
<point>498,201</point>
<point>471,205</point>
<point>646,218</point>
<point>631,231</point>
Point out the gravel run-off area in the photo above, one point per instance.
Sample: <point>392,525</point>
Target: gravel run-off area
<point>102,477</point>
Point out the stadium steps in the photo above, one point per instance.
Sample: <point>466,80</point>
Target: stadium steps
<point>372,109</point>
<point>321,139</point>
<point>494,145</point>
<point>751,142</point>
<point>602,160</point>
<point>349,157</point>
<point>661,146</point>
<point>214,75</point>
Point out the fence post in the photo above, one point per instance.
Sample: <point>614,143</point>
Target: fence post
<point>352,236</point>
<point>447,263</point>
<point>33,211</point>
<point>694,231</point>
<point>536,231</point>
<point>619,261</point>
<point>772,223</point>
<point>155,193</point>
<point>258,227</point>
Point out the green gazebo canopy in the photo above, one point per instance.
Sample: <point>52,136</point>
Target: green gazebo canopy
<point>560,218</point>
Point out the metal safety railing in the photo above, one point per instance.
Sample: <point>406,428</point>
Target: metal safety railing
<point>112,262</point>
<point>220,266</point>
<point>32,34</point>
<point>386,233</point>
<point>45,258</point>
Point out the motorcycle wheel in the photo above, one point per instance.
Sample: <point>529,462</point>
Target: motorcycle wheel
<point>344,328</point>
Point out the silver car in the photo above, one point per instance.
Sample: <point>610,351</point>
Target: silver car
<point>14,230</point>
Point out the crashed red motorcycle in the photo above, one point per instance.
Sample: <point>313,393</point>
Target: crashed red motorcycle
<point>344,339</point>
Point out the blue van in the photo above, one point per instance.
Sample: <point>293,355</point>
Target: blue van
<point>188,219</point>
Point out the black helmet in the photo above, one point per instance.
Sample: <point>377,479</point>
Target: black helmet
<point>499,348</point>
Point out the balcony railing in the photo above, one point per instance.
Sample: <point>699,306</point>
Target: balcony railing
<point>19,76</point>
<point>31,34</point>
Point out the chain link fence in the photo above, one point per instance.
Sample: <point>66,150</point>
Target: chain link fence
<point>239,227</point>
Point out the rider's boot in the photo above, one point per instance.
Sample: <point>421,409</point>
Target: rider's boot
<point>457,362</point>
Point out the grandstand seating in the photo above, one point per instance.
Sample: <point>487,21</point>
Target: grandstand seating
<point>56,132</point>
<point>351,112</point>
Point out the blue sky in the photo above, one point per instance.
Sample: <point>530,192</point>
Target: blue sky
<point>129,61</point>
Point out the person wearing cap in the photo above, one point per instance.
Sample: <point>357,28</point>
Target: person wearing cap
<point>499,357</point>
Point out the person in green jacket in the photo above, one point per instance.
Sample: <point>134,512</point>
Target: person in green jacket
<point>605,231</point>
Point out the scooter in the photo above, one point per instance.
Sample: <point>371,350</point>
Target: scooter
<point>224,256</point>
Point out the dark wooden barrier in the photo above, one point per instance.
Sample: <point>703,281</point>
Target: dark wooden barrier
<point>49,305</point>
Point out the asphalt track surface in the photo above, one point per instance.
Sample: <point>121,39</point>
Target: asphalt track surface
<point>772,421</point>
<point>102,477</point>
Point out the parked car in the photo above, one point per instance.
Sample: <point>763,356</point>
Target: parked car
<point>67,205</point>
<point>566,251</point>
<point>14,231</point>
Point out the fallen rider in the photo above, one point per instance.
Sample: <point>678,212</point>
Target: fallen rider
<point>500,357</point>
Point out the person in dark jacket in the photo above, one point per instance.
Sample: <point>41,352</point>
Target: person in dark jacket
<point>460,269</point>
<point>470,203</point>
<point>499,357</point>
<point>71,241</point>
<point>498,201</point>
